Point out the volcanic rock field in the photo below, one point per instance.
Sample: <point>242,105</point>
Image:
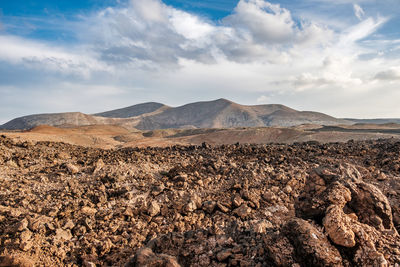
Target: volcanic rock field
<point>304,204</point>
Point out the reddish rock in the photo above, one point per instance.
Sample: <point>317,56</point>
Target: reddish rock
<point>146,257</point>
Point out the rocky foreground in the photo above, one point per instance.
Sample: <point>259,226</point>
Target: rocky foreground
<point>305,204</point>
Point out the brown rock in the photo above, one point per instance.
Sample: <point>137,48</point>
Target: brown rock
<point>368,202</point>
<point>222,207</point>
<point>26,236</point>
<point>209,206</point>
<point>243,211</point>
<point>223,255</point>
<point>72,169</point>
<point>98,165</point>
<point>381,176</point>
<point>338,226</point>
<point>204,260</point>
<point>261,226</point>
<point>156,190</point>
<point>311,244</point>
<point>270,197</point>
<point>191,206</point>
<point>69,225</point>
<point>237,200</point>
<point>147,258</point>
<point>27,245</point>
<point>23,225</point>
<point>16,260</point>
<point>63,234</point>
<point>88,264</point>
<point>89,211</point>
<point>366,223</point>
<point>153,209</point>
<point>279,249</point>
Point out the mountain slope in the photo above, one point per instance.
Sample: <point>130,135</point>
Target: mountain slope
<point>195,115</point>
<point>54,119</point>
<point>133,111</point>
<point>292,118</point>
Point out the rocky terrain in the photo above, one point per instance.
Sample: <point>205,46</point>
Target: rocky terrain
<point>305,204</point>
<point>220,113</point>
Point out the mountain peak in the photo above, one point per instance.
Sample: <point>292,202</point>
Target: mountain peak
<point>223,100</point>
<point>133,111</point>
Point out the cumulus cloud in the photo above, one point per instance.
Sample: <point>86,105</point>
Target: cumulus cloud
<point>262,21</point>
<point>146,32</point>
<point>358,11</point>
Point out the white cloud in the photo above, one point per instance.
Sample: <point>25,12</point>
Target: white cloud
<point>358,11</point>
<point>262,21</point>
<point>361,30</point>
<point>191,27</point>
<point>36,55</point>
<point>256,31</point>
<point>152,11</point>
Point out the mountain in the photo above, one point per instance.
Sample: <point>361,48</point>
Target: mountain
<point>135,110</point>
<point>54,119</point>
<point>375,121</point>
<point>223,113</point>
<point>220,113</point>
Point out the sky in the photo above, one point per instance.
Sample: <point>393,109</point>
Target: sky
<point>338,57</point>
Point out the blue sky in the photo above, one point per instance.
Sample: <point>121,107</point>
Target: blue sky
<point>41,14</point>
<point>340,57</point>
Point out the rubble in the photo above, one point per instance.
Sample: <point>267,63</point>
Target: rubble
<point>306,204</point>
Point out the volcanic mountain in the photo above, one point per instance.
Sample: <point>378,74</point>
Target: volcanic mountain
<point>135,110</point>
<point>219,113</point>
<point>54,119</point>
<point>223,113</point>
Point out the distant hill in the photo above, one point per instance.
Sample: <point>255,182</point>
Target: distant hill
<point>223,113</point>
<point>55,119</point>
<point>135,110</point>
<point>219,113</point>
<point>375,121</point>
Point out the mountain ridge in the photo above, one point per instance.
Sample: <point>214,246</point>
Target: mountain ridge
<point>134,110</point>
<point>219,113</point>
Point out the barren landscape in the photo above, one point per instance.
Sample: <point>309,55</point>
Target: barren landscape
<point>204,184</point>
<point>216,122</point>
<point>304,204</point>
<point>113,136</point>
<point>186,133</point>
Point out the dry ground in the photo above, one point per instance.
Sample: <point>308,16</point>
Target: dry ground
<point>110,136</point>
<point>305,204</point>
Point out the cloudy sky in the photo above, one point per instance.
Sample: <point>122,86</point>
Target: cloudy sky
<point>339,57</point>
